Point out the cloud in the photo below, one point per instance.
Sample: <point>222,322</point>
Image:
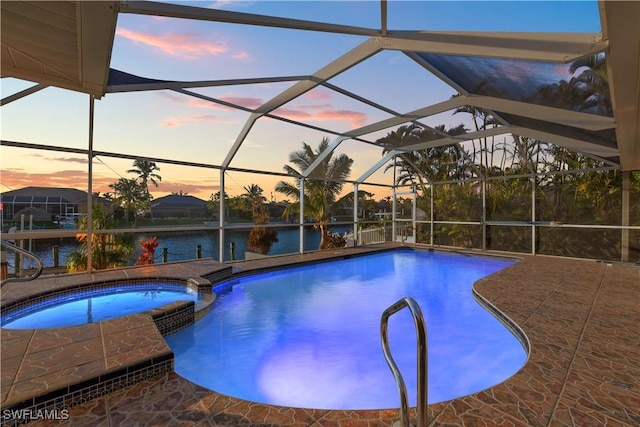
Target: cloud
<point>171,122</point>
<point>193,189</point>
<point>304,113</point>
<point>248,102</point>
<point>223,4</point>
<point>322,113</point>
<point>318,94</point>
<point>190,101</point>
<point>188,46</point>
<point>241,55</point>
<point>81,160</point>
<point>13,179</point>
<point>18,178</point>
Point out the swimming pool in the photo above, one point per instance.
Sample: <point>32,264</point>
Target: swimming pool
<point>96,304</point>
<point>309,336</point>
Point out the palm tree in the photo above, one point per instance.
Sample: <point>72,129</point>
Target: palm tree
<point>320,193</point>
<point>482,120</point>
<point>260,238</point>
<point>254,196</point>
<point>108,250</point>
<point>435,163</point>
<point>588,91</point>
<point>593,83</point>
<point>131,195</point>
<point>145,169</point>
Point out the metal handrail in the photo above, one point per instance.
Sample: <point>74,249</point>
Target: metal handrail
<point>28,254</point>
<point>422,365</point>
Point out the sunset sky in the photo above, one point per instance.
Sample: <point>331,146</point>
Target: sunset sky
<point>169,125</point>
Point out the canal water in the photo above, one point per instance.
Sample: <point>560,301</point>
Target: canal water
<point>182,245</point>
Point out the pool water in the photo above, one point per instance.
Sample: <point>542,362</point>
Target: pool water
<point>96,305</point>
<point>310,336</point>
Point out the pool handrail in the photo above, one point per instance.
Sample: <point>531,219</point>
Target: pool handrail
<point>422,364</point>
<point>25,252</point>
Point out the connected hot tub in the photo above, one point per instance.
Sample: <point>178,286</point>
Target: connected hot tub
<point>95,303</point>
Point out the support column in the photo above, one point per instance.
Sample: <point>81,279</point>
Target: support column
<point>484,214</point>
<point>221,246</point>
<point>393,212</point>
<point>624,243</point>
<point>355,214</point>
<point>90,188</point>
<point>393,201</point>
<point>414,214</point>
<point>432,213</point>
<point>301,227</point>
<point>533,215</point>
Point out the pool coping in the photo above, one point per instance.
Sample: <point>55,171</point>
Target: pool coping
<point>522,399</point>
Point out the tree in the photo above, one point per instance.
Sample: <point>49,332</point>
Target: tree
<point>254,196</point>
<point>588,91</point>
<point>108,250</point>
<point>260,238</point>
<point>483,158</point>
<point>131,195</point>
<point>593,83</point>
<point>320,192</point>
<point>145,170</point>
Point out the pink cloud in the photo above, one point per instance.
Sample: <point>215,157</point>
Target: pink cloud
<point>192,102</point>
<point>311,113</point>
<point>190,46</point>
<point>244,101</point>
<point>197,190</point>
<point>171,122</point>
<point>200,103</point>
<point>81,160</point>
<point>322,113</point>
<point>242,55</point>
<point>318,94</point>
<point>17,178</point>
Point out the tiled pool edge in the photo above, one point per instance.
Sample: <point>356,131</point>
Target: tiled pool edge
<point>505,320</point>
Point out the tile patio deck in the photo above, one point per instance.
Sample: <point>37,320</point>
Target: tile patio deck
<point>582,319</point>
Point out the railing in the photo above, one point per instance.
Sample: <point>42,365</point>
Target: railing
<point>422,365</point>
<point>26,253</point>
<point>367,236</point>
<point>371,235</point>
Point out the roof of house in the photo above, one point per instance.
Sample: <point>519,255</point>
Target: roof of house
<point>46,194</point>
<point>177,200</point>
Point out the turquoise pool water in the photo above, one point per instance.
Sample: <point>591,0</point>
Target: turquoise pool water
<point>310,336</point>
<point>97,304</point>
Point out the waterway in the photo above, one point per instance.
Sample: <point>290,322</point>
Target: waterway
<point>182,245</point>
